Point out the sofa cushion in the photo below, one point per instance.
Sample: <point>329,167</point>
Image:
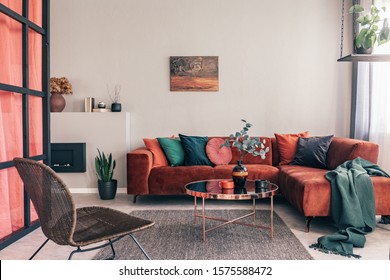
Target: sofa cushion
<point>172,180</point>
<point>216,154</point>
<point>173,150</point>
<point>159,158</point>
<point>312,151</point>
<point>287,145</point>
<point>306,188</point>
<point>343,149</point>
<point>195,150</point>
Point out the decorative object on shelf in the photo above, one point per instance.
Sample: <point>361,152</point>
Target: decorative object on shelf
<point>101,105</point>
<point>89,104</point>
<point>369,33</point>
<point>194,73</point>
<point>105,166</point>
<point>58,87</point>
<point>116,106</point>
<point>245,145</point>
<point>101,110</point>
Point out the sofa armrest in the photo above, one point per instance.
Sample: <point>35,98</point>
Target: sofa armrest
<point>343,149</point>
<point>139,164</point>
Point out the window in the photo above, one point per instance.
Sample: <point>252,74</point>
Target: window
<point>24,107</point>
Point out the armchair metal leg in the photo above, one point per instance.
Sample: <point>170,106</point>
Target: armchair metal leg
<point>135,198</point>
<point>36,252</point>
<point>79,250</point>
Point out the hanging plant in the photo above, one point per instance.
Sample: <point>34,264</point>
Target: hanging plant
<point>369,32</point>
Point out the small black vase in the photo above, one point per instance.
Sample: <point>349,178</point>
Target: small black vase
<point>107,190</point>
<point>240,173</point>
<point>116,107</point>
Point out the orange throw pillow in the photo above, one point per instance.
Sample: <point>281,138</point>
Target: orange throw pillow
<point>159,158</point>
<point>287,145</point>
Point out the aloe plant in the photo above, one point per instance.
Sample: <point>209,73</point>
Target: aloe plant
<point>104,166</point>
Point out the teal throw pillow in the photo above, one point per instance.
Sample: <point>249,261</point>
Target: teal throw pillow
<point>195,150</point>
<point>173,150</point>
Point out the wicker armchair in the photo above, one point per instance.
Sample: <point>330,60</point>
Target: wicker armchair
<point>62,223</point>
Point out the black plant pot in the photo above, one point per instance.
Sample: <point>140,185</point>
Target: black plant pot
<point>107,190</point>
<point>239,174</point>
<point>362,50</point>
<point>116,107</point>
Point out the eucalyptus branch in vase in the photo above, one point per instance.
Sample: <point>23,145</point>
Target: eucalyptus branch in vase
<point>246,144</point>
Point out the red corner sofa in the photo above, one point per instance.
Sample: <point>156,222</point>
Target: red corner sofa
<point>306,188</point>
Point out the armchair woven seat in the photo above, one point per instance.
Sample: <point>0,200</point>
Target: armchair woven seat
<point>65,224</point>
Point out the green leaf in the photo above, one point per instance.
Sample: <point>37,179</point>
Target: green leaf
<point>356,9</point>
<point>384,35</point>
<point>359,39</point>
<point>361,20</point>
<point>369,40</point>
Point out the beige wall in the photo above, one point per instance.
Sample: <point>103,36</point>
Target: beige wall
<point>278,64</point>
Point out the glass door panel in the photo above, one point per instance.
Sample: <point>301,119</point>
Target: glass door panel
<point>15,5</point>
<point>35,125</point>
<point>11,134</point>
<point>10,51</point>
<point>35,11</point>
<point>11,202</point>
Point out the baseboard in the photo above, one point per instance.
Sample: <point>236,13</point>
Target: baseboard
<point>93,190</point>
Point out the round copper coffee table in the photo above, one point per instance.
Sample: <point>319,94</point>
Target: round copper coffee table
<point>212,189</point>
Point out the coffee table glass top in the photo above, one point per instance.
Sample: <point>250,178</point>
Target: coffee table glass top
<point>213,189</point>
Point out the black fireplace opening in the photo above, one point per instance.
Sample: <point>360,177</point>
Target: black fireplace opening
<point>68,157</point>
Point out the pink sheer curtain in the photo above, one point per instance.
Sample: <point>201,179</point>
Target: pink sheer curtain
<point>11,137</point>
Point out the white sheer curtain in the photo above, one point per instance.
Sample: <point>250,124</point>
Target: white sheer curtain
<point>379,78</point>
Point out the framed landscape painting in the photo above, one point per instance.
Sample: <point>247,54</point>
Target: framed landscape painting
<point>194,73</point>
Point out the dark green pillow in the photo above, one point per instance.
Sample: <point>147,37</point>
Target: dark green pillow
<point>312,151</point>
<point>195,150</point>
<point>173,150</point>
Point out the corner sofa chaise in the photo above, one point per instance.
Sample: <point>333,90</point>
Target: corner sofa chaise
<point>304,187</point>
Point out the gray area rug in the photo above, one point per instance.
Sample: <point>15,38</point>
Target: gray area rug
<point>175,237</point>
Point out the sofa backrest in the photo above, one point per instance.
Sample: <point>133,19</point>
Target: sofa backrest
<point>343,149</point>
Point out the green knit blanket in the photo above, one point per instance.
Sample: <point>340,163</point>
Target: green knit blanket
<point>352,206</point>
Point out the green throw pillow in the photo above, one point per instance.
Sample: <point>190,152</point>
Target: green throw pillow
<point>195,150</point>
<point>173,150</point>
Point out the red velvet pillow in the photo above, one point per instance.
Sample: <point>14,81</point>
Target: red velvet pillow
<point>287,145</point>
<point>217,155</point>
<point>159,158</point>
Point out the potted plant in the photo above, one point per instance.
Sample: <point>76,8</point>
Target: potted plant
<point>105,170</point>
<point>115,99</point>
<point>369,32</point>
<point>245,145</point>
<point>58,87</point>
